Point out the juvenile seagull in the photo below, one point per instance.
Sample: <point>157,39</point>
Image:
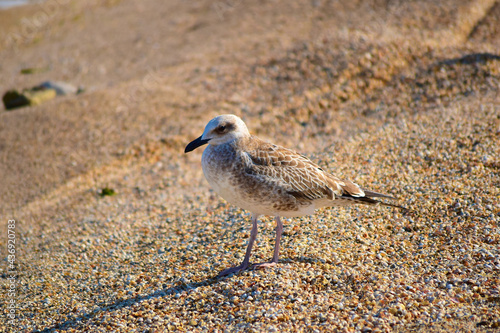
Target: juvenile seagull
<point>267,179</point>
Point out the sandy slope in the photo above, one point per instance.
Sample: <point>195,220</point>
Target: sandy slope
<point>400,97</point>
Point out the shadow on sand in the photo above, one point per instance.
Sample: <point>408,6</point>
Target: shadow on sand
<point>78,321</point>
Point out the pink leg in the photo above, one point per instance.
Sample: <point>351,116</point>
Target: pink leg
<point>274,261</point>
<point>246,261</point>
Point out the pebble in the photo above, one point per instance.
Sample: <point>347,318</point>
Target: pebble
<point>61,88</point>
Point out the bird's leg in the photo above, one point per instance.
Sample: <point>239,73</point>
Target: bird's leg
<point>246,261</point>
<point>274,261</point>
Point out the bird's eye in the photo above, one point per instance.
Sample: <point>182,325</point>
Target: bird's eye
<point>221,129</point>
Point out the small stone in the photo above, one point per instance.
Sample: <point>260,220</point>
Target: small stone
<point>61,88</point>
<point>12,99</point>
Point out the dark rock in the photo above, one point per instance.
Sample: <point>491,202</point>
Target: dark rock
<point>12,99</point>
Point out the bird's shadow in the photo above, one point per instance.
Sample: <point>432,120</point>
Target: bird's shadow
<point>469,59</point>
<point>118,305</point>
<point>75,322</point>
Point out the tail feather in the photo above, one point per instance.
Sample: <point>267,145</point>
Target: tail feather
<point>372,194</point>
<point>367,200</point>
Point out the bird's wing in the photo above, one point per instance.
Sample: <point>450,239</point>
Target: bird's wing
<point>294,173</point>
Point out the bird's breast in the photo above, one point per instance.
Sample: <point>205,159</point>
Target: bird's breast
<point>219,165</point>
<point>225,171</point>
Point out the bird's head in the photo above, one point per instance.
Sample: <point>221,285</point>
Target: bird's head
<point>222,129</point>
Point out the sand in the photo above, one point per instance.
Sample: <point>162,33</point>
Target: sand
<point>400,97</point>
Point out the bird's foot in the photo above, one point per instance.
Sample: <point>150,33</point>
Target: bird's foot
<point>264,265</point>
<point>232,270</point>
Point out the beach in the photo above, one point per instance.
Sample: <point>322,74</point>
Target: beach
<point>106,225</point>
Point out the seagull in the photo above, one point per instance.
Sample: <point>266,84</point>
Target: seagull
<point>267,179</point>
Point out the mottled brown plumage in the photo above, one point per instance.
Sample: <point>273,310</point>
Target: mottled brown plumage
<point>267,179</point>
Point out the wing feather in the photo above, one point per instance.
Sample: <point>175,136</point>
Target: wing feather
<point>289,172</point>
<point>294,173</point>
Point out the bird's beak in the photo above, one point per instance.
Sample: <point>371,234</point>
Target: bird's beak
<point>195,144</point>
